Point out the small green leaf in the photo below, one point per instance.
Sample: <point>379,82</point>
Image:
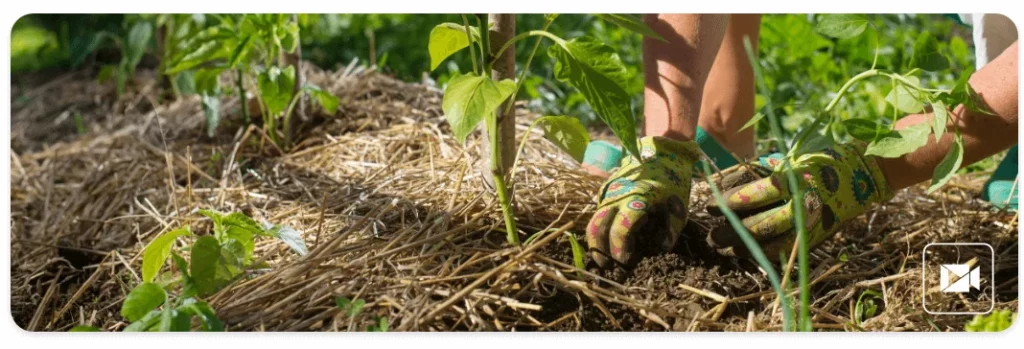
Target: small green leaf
<point>84,328</point>
<point>470,98</point>
<point>327,101</point>
<point>207,317</point>
<point>156,253</point>
<point>950,163</point>
<point>342,302</point>
<point>813,138</point>
<point>753,121</point>
<point>926,53</point>
<point>238,219</point>
<point>276,87</point>
<point>142,300</point>
<point>146,323</point>
<point>356,307</point>
<point>381,326</point>
<point>941,117</point>
<point>291,237</point>
<point>598,73</point>
<point>203,269</point>
<point>568,134</point>
<point>172,320</point>
<point>897,143</point>
<point>446,39</point>
<point>904,98</point>
<point>579,254</point>
<point>289,34</point>
<point>862,129</point>
<point>632,23</point>
<point>239,53</point>
<point>841,26</point>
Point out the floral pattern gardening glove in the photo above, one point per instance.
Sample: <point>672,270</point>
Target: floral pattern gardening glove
<point>641,197</point>
<point>838,184</point>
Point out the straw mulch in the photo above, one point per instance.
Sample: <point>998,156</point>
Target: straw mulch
<point>394,212</point>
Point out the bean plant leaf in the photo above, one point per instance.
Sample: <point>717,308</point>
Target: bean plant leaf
<point>208,320</point>
<point>327,101</point>
<point>156,253</point>
<point>203,268</point>
<point>897,143</point>
<point>941,117</point>
<point>596,71</point>
<point>926,53</point>
<point>813,138</point>
<point>240,51</point>
<point>632,23</point>
<point>950,163</point>
<point>568,134</point>
<point>172,320</point>
<point>136,42</point>
<point>904,98</point>
<point>290,236</point>
<point>446,39</point>
<point>841,26</point>
<point>862,129</point>
<point>963,93</point>
<point>276,87</point>
<point>142,300</point>
<point>469,98</point>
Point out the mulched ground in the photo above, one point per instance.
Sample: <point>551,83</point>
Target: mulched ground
<point>395,213</point>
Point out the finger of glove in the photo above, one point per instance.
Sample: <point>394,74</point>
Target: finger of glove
<point>597,235</point>
<point>771,229</point>
<point>676,222</point>
<point>754,197</point>
<point>739,174</point>
<point>633,213</point>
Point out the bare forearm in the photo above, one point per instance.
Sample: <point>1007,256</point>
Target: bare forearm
<point>984,135</point>
<point>675,71</point>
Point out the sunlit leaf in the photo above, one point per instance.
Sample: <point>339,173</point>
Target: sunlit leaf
<point>469,98</point>
<point>446,39</point>
<point>897,143</point>
<point>941,117</point>
<point>568,134</point>
<point>905,98</point>
<point>156,253</point>
<point>596,71</point>
<point>142,300</point>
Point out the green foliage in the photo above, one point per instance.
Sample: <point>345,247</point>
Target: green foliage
<point>470,98</point>
<point>597,72</point>
<point>350,307</point>
<point>842,26</point>
<point>276,88</point>
<point>447,39</point>
<point>996,321</point>
<point>867,306</point>
<point>567,133</point>
<point>215,261</point>
<point>84,328</point>
<point>894,144</point>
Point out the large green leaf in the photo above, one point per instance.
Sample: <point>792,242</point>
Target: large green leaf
<point>446,39</point>
<point>841,26</point>
<point>597,72</point>
<point>897,143</point>
<point>142,300</point>
<point>567,133</point>
<point>276,87</point>
<point>632,23</point>
<point>156,253</point>
<point>203,267</point>
<point>926,53</point>
<point>950,163</point>
<point>469,98</point>
<point>905,98</point>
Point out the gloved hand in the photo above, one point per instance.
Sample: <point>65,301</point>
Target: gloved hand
<point>649,196</point>
<point>839,184</point>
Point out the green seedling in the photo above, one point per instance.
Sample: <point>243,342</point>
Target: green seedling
<point>215,262</point>
<point>587,64</point>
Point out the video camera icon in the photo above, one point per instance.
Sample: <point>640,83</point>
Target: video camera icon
<point>959,278</point>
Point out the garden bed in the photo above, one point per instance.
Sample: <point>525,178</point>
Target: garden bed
<point>395,213</point>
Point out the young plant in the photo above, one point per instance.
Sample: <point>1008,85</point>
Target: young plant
<point>251,46</point>
<point>215,262</point>
<point>133,45</point>
<point>585,63</point>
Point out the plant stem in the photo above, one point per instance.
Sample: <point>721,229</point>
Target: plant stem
<point>472,54</point>
<point>506,208</point>
<point>543,33</point>
<point>485,43</point>
<point>241,95</point>
<point>526,68</point>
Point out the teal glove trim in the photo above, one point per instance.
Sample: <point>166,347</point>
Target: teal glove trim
<point>999,189</point>
<point>713,150</point>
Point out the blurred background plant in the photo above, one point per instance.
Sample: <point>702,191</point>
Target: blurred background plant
<point>802,67</point>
